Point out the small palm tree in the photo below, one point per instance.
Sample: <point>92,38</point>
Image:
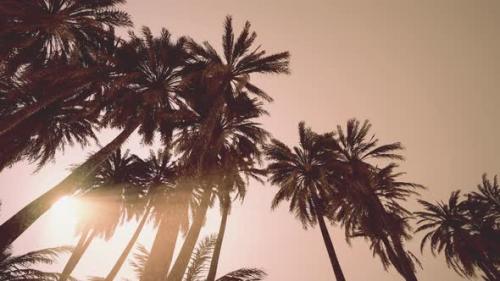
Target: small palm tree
<point>301,174</point>
<point>19,268</point>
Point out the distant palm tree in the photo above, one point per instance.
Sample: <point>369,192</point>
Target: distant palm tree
<point>301,174</point>
<point>20,268</point>
<point>367,196</point>
<point>155,65</point>
<point>106,203</point>
<point>465,233</point>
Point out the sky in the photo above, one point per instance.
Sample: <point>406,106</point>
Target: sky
<point>426,73</point>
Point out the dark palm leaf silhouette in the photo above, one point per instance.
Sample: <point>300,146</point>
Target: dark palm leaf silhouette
<point>107,200</point>
<point>465,232</point>
<point>20,268</point>
<point>148,107</point>
<point>367,197</point>
<point>301,174</point>
<point>34,31</point>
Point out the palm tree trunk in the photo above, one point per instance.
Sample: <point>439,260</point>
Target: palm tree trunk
<point>404,260</point>
<point>339,275</point>
<point>162,251</point>
<point>119,263</point>
<point>11,229</point>
<point>218,246</point>
<point>182,261</point>
<point>77,254</point>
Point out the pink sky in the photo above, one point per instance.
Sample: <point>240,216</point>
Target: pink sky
<point>426,73</point>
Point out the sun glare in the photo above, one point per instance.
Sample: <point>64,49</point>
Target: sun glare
<point>63,218</point>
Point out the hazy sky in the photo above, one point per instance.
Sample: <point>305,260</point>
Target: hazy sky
<point>426,73</point>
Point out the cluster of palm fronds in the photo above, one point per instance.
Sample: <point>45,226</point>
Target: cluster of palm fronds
<point>65,75</point>
<point>466,229</point>
<point>336,176</point>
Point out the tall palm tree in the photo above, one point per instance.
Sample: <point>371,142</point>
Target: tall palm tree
<point>18,268</point>
<point>147,102</point>
<point>232,182</point>
<point>107,201</point>
<point>466,235</point>
<point>211,84</point>
<point>237,145</point>
<point>363,203</point>
<point>301,174</point>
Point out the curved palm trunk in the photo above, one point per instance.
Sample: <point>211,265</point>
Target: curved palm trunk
<point>404,260</point>
<point>82,246</point>
<point>218,246</point>
<point>123,257</point>
<point>162,251</point>
<point>182,261</point>
<point>22,220</point>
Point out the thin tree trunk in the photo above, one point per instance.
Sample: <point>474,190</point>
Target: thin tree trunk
<point>123,257</point>
<point>162,251</point>
<point>11,229</point>
<point>404,259</point>
<point>182,261</point>
<point>218,246</point>
<point>82,246</point>
<point>339,275</point>
<point>337,269</point>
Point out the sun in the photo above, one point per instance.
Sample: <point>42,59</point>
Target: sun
<point>63,213</point>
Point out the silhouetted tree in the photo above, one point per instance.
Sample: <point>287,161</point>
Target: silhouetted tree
<point>301,174</point>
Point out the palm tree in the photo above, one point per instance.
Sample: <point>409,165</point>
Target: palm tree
<point>357,183</point>
<point>464,232</point>
<point>19,268</point>
<point>107,201</point>
<point>211,85</point>
<point>301,174</point>
<point>155,64</point>
<point>237,144</point>
<point>232,182</point>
